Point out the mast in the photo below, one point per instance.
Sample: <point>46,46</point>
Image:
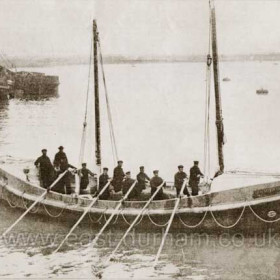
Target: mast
<point>219,118</point>
<point>96,97</point>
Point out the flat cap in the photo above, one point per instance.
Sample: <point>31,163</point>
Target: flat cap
<point>105,168</point>
<point>60,147</point>
<point>127,173</point>
<point>196,162</point>
<point>155,171</point>
<point>44,150</point>
<point>120,161</point>
<point>180,166</point>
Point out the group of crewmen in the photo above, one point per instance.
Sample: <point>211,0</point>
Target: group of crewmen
<point>121,181</point>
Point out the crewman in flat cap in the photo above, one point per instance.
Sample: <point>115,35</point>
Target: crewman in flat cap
<point>46,169</point>
<point>195,175</point>
<point>118,177</point>
<point>103,180</point>
<point>60,160</point>
<point>155,182</point>
<point>61,164</point>
<point>127,183</point>
<point>84,174</point>
<point>179,179</point>
<point>142,179</point>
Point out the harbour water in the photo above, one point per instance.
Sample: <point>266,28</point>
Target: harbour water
<point>158,116</point>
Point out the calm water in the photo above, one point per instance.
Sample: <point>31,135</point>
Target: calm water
<point>158,115</point>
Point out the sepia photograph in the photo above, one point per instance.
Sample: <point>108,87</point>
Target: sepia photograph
<point>139,139</point>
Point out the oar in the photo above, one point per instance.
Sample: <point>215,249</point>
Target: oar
<point>34,203</point>
<point>135,221</point>
<point>169,223</point>
<point>113,214</point>
<point>82,216</point>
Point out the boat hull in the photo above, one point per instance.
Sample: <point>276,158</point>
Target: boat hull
<point>220,212</point>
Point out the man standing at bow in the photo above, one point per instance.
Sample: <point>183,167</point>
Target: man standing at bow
<point>46,169</point>
<point>61,164</point>
<point>195,175</point>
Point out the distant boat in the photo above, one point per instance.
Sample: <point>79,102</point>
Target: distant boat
<point>275,63</point>
<point>226,79</point>
<point>262,91</point>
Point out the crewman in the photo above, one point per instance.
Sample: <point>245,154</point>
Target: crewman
<point>84,173</point>
<point>195,175</point>
<point>60,160</point>
<point>118,177</point>
<point>61,165</point>
<point>103,181</point>
<point>127,183</point>
<point>179,179</point>
<point>155,182</point>
<point>142,179</point>
<point>46,169</point>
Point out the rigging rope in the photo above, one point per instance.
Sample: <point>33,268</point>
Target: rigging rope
<point>83,140</point>
<point>110,120</point>
<point>207,106</point>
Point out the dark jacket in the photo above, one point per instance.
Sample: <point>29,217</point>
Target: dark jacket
<point>44,163</point>
<point>194,172</point>
<point>118,177</point>
<point>103,181</point>
<point>141,178</point>
<point>84,175</point>
<point>61,161</point>
<point>127,183</point>
<point>156,182</point>
<point>179,179</point>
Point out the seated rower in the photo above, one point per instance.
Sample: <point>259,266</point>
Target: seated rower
<point>84,173</point>
<point>155,182</point>
<point>103,181</point>
<point>127,183</point>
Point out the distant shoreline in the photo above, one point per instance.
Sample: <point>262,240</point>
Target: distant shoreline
<point>81,60</point>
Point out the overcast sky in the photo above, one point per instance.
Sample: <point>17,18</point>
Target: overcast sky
<point>137,27</point>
